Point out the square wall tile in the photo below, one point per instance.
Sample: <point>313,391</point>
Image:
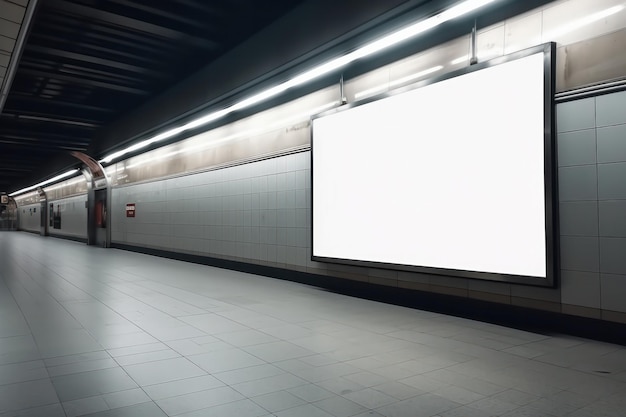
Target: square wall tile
<point>613,290</point>
<point>612,144</point>
<point>577,147</point>
<point>578,183</point>
<point>576,115</point>
<point>580,253</point>
<point>580,288</point>
<point>610,109</point>
<point>578,218</point>
<point>612,217</point>
<point>612,181</point>
<point>612,255</point>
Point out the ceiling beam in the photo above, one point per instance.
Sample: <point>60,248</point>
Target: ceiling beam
<point>115,37</point>
<point>21,103</point>
<point>66,7</point>
<point>41,145</point>
<point>83,81</point>
<point>171,13</point>
<point>100,45</point>
<point>91,59</point>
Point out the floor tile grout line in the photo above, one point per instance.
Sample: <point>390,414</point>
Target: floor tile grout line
<point>33,337</point>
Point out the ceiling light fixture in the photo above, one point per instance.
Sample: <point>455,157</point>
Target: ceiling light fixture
<point>323,69</point>
<point>46,182</point>
<point>247,133</point>
<point>387,41</point>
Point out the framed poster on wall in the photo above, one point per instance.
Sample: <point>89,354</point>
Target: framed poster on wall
<point>452,176</point>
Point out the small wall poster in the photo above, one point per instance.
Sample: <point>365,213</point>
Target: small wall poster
<point>130,210</point>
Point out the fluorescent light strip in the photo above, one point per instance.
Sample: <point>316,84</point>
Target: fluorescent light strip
<point>72,181</point>
<point>252,132</point>
<point>587,20</point>
<point>51,180</point>
<point>395,83</point>
<point>462,9</point>
<point>326,68</point>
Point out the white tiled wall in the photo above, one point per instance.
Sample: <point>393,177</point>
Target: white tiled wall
<point>29,217</point>
<point>258,212</point>
<point>73,216</point>
<point>592,191</point>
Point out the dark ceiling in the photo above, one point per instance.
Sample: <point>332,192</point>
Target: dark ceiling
<point>87,62</point>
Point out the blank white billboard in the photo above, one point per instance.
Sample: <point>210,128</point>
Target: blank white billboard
<point>447,176</point>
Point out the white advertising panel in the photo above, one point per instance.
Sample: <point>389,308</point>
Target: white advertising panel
<point>449,176</point>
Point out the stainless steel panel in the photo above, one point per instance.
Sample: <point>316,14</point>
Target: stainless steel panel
<point>372,83</point>
<point>490,42</point>
<point>29,217</point>
<point>522,31</point>
<point>431,63</point>
<point>73,211</point>
<point>277,131</point>
<point>28,198</point>
<point>590,36</point>
<point>591,61</point>
<point>68,188</point>
<point>578,20</point>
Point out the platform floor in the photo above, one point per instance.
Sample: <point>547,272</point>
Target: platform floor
<point>104,332</point>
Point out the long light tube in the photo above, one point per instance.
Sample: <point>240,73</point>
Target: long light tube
<point>317,72</point>
<point>73,181</point>
<point>251,132</point>
<point>378,45</point>
<point>49,181</point>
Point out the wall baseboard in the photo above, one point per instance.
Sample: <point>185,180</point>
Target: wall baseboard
<point>67,237</point>
<point>523,318</point>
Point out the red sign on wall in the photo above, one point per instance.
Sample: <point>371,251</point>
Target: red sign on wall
<point>130,210</point>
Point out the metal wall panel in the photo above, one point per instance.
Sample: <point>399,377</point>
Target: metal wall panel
<point>67,188</point>
<point>282,129</point>
<point>29,217</point>
<point>28,198</point>
<point>73,216</point>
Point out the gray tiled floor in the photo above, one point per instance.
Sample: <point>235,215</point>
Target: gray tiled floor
<point>89,331</point>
